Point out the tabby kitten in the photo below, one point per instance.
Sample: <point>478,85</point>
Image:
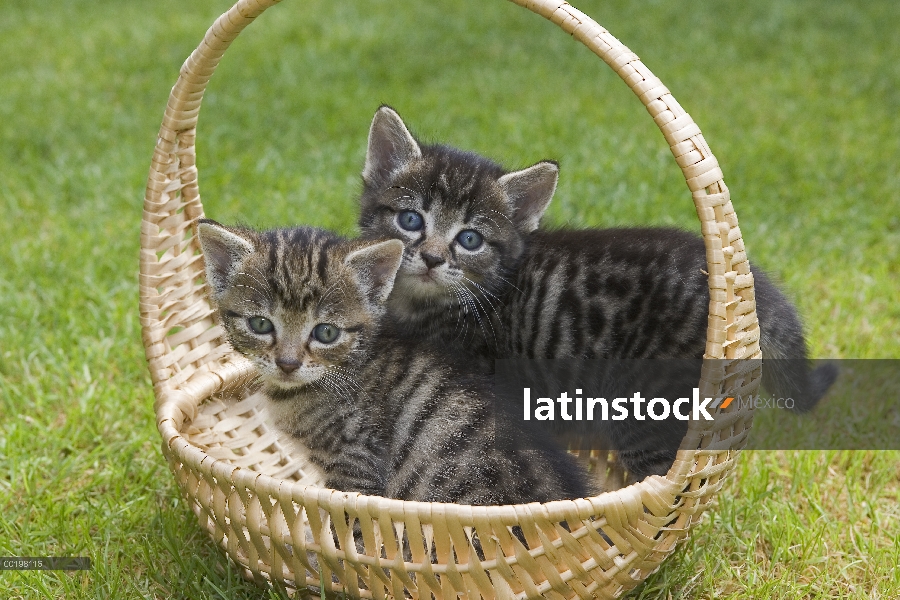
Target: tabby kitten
<point>377,414</point>
<point>480,277</point>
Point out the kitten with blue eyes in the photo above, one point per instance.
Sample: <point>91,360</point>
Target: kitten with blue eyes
<point>377,414</point>
<point>464,222</point>
<point>480,278</point>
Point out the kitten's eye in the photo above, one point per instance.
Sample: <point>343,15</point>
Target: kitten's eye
<point>261,325</point>
<point>326,332</point>
<point>470,239</point>
<point>410,220</point>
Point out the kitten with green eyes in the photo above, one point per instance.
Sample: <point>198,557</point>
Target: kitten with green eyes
<point>378,414</point>
<point>481,279</point>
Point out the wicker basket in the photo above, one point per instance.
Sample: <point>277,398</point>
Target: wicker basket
<point>251,490</point>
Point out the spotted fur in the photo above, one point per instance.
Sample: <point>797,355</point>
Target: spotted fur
<point>377,414</point>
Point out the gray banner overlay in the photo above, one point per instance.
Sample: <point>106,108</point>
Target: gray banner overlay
<point>45,563</point>
<point>850,404</point>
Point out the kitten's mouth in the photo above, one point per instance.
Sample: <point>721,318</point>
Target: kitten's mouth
<point>295,379</point>
<point>416,286</point>
<point>427,277</point>
<point>286,382</point>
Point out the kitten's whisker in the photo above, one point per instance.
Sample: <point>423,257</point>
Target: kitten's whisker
<point>504,216</point>
<point>479,218</point>
<point>430,187</point>
<point>252,303</point>
<point>485,317</point>
<point>476,298</point>
<point>250,383</point>
<point>334,286</point>
<point>493,307</point>
<point>484,290</point>
<point>261,283</point>
<point>471,299</point>
<point>336,373</point>
<point>402,187</point>
<point>338,376</point>
<point>263,278</point>
<point>484,293</point>
<point>460,313</point>
<point>250,287</point>
<point>462,320</point>
<point>334,388</point>
<point>508,282</point>
<point>325,387</point>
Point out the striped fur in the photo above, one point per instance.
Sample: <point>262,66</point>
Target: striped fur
<point>377,414</point>
<point>531,293</point>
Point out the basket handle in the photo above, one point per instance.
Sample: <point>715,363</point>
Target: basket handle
<point>181,339</point>
<point>172,293</point>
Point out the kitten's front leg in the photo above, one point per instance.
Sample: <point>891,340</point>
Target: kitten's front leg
<point>356,464</point>
<point>350,453</point>
<point>355,472</point>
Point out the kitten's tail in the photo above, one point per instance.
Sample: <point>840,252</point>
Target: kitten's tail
<point>794,379</point>
<point>787,372</point>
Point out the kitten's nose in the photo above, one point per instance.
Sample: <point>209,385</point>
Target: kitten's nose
<point>431,261</point>
<point>287,366</point>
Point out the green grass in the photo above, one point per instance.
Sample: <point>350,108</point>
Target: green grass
<point>798,100</point>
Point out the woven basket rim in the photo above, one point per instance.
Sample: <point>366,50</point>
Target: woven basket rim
<point>562,509</point>
<point>189,361</point>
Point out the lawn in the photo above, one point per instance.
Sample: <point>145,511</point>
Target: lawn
<point>798,99</point>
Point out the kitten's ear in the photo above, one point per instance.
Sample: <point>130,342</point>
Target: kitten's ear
<point>223,250</point>
<point>530,191</point>
<point>391,146</point>
<point>375,267</point>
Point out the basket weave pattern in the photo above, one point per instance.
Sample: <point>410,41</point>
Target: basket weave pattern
<point>251,489</point>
